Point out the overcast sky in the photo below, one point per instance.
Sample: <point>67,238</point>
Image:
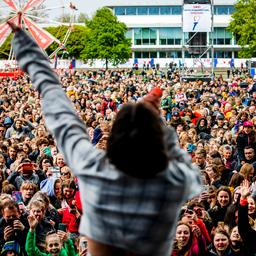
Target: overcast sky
<point>84,6</point>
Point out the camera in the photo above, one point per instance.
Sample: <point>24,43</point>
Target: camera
<point>10,222</point>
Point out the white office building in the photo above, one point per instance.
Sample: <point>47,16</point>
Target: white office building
<point>155,28</point>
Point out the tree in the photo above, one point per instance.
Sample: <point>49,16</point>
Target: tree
<point>5,48</point>
<point>105,39</point>
<point>82,17</point>
<point>243,26</point>
<point>66,17</point>
<point>75,42</point>
<point>39,12</point>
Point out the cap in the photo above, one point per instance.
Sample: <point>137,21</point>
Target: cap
<point>157,91</point>
<point>220,117</point>
<point>8,121</point>
<point>11,246</point>
<point>247,124</point>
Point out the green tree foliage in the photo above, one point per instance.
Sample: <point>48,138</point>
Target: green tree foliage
<point>75,42</point>
<point>5,48</point>
<point>105,39</point>
<point>82,17</point>
<point>66,17</point>
<point>243,25</point>
<point>74,46</point>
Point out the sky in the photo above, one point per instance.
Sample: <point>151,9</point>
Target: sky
<point>84,6</point>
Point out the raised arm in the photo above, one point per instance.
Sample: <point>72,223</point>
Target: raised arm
<point>60,117</point>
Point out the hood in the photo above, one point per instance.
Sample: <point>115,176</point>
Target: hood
<point>47,186</point>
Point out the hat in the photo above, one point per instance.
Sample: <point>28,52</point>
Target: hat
<point>11,246</point>
<point>153,98</point>
<point>157,91</point>
<point>8,121</point>
<point>247,124</point>
<point>220,117</point>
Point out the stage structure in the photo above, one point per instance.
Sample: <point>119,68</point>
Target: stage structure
<point>197,26</point>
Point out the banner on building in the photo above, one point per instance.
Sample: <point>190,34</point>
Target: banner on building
<point>197,18</point>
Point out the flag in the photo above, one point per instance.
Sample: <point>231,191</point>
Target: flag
<point>215,62</point>
<point>73,63</point>
<point>151,62</point>
<point>232,63</point>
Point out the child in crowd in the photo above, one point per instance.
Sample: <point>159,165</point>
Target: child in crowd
<point>56,244</point>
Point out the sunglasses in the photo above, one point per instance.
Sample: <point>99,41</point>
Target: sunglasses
<point>189,212</point>
<point>64,173</point>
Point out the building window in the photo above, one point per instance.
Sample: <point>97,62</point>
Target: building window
<point>145,55</point>
<point>145,36</point>
<point>165,10</point>
<point>129,34</point>
<point>222,54</point>
<point>148,10</point>
<point>170,54</point>
<point>176,10</point>
<point>153,10</point>
<point>130,10</point>
<point>223,10</point>
<point>170,36</point>
<point>142,11</point>
<point>120,11</point>
<point>222,37</point>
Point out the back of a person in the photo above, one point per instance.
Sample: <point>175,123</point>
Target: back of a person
<point>138,215</point>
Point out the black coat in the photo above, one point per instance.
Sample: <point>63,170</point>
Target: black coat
<point>20,236</point>
<point>247,233</point>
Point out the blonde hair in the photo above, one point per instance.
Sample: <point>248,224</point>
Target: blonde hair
<point>246,169</point>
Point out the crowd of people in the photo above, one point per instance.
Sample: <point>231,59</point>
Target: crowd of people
<point>215,123</point>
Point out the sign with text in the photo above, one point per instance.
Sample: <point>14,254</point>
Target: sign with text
<point>197,18</point>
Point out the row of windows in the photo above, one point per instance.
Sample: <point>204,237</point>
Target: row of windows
<point>148,10</point>
<point>166,10</point>
<point>223,10</point>
<point>173,36</point>
<point>178,54</point>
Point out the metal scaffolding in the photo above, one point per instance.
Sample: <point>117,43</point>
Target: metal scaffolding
<point>208,47</point>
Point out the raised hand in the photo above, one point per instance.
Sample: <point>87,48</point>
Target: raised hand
<point>245,189</point>
<point>13,26</point>
<point>62,235</point>
<point>32,221</point>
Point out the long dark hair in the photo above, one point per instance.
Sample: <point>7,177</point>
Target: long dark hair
<point>136,146</point>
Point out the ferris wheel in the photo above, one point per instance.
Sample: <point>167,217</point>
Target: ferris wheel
<point>23,14</point>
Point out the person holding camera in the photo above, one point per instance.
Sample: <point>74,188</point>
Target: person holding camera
<point>13,225</point>
<point>24,173</point>
<point>56,244</point>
